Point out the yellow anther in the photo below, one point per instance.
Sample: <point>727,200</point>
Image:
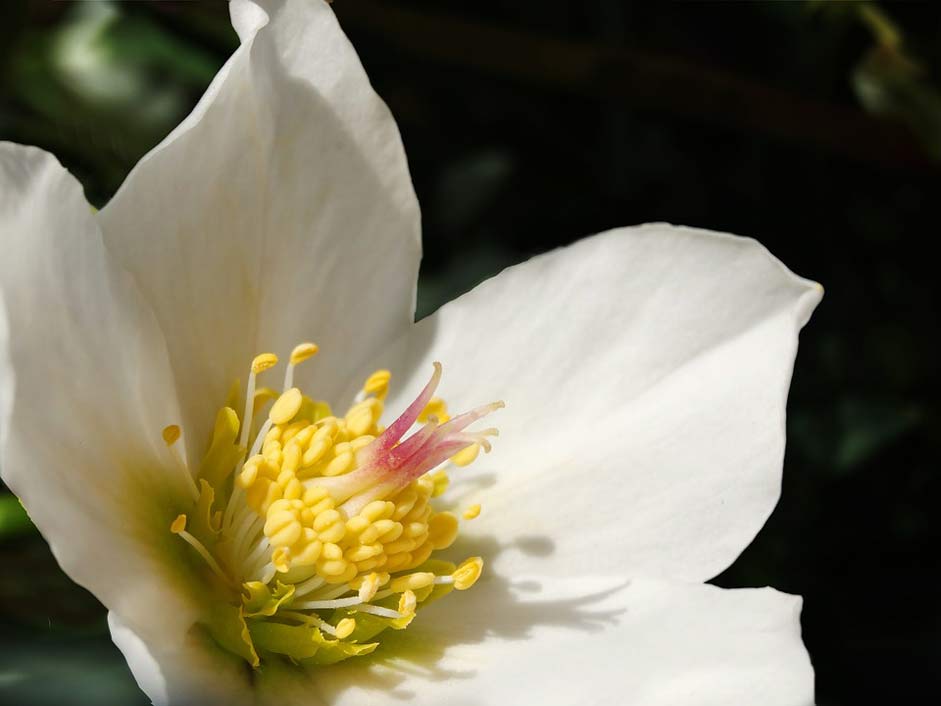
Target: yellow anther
<point>291,459</point>
<point>377,510</point>
<point>314,495</point>
<point>405,502</point>
<point>340,464</point>
<point>369,535</point>
<point>407,604</point>
<point>273,455</point>
<point>397,561</point>
<point>287,405</point>
<point>415,529</point>
<point>412,582</point>
<point>332,552</point>
<point>362,417</point>
<point>472,512</point>
<point>406,544</point>
<point>378,384</point>
<point>421,555</point>
<point>467,573</point>
<point>345,628</point>
<point>368,587</point>
<point>304,436</point>
<point>333,567</point>
<point>303,351</point>
<point>329,428</point>
<point>282,527</point>
<point>436,408</point>
<point>363,552</point>
<point>345,576</point>
<point>424,486</point>
<point>358,581</point>
<point>309,555</point>
<point>178,525</point>
<point>292,430</point>
<point>171,434</point>
<point>442,530</point>
<point>326,519</point>
<point>387,530</point>
<point>441,482</point>
<point>281,558</point>
<point>318,447</point>
<point>248,475</point>
<point>321,506</point>
<point>356,524</point>
<point>466,456</point>
<point>263,362</point>
<point>420,510</point>
<point>361,442</point>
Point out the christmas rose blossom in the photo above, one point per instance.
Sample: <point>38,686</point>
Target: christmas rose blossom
<point>284,540</point>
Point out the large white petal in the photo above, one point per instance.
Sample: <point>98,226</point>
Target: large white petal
<point>280,210</point>
<point>645,373</point>
<point>187,672</point>
<point>581,642</point>
<point>86,392</point>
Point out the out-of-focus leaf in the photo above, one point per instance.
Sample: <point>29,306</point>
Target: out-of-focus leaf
<point>889,81</point>
<point>857,431</point>
<point>888,84</point>
<point>37,669</point>
<point>13,518</point>
<point>868,427</point>
<point>101,88</point>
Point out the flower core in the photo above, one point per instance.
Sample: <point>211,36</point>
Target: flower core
<point>317,531</point>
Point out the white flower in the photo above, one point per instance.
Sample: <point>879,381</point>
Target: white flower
<point>646,372</point>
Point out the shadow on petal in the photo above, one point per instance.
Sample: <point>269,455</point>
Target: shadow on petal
<point>498,607</point>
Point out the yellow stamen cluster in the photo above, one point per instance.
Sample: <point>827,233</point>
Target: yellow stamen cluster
<point>266,516</point>
<point>303,524</point>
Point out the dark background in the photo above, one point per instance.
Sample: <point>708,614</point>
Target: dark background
<point>813,127</point>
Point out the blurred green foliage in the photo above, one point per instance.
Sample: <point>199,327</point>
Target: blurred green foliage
<point>510,162</point>
<point>13,518</point>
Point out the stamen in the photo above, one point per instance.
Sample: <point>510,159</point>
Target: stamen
<point>328,605</point>
<point>286,406</point>
<point>379,610</point>
<point>171,435</point>
<point>472,512</point>
<point>300,353</point>
<point>408,603</point>
<point>369,587</point>
<point>259,364</point>
<point>178,527</point>
<point>343,629</point>
<point>467,573</point>
<point>377,384</point>
<point>411,582</point>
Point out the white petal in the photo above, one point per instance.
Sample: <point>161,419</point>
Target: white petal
<point>645,373</point>
<point>85,384</point>
<point>584,641</point>
<point>280,210</point>
<point>190,672</point>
